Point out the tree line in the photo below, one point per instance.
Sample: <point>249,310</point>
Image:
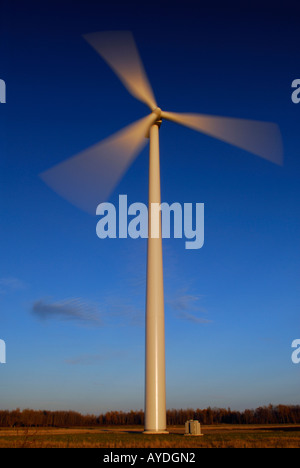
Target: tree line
<point>280,414</point>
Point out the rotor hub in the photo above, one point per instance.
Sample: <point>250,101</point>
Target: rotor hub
<point>157,111</point>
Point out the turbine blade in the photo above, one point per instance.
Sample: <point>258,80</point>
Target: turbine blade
<point>119,50</point>
<point>89,177</point>
<point>260,138</point>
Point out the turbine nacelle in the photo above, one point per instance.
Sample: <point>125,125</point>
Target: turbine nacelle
<point>156,115</point>
<point>158,112</point>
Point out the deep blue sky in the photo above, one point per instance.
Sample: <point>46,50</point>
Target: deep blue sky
<point>232,307</point>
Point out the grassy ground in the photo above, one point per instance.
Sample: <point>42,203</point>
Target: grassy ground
<point>223,436</point>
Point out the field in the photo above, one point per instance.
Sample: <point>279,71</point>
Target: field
<point>219,436</point>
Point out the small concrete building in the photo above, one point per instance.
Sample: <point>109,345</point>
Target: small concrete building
<point>192,428</point>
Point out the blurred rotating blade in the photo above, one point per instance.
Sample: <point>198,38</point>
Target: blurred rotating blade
<point>89,177</point>
<point>119,50</point>
<point>260,138</point>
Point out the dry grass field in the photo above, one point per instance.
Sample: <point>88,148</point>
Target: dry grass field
<point>218,436</point>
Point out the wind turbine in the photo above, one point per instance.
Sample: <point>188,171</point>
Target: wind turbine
<point>89,177</point>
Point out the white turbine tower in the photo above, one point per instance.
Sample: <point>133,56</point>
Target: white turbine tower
<point>89,177</point>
